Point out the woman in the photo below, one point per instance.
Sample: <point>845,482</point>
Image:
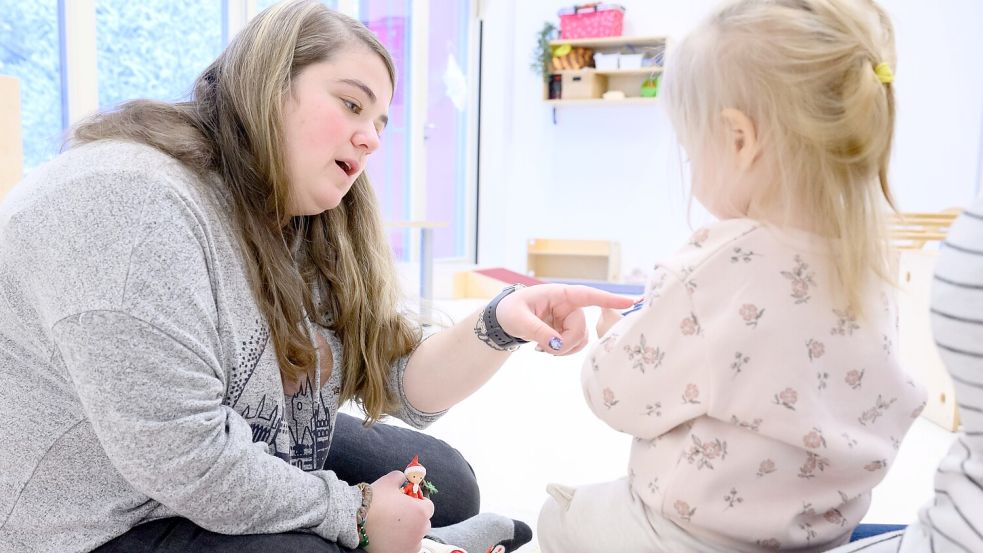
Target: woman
<point>191,291</point>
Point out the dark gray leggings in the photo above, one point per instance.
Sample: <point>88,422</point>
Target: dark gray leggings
<point>357,454</point>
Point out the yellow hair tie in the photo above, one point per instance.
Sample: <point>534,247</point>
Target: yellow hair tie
<point>884,73</point>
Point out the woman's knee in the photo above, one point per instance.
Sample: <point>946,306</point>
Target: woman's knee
<point>363,454</point>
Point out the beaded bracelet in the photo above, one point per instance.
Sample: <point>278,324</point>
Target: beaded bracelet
<point>363,513</point>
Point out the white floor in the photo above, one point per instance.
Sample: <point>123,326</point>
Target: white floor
<point>529,426</point>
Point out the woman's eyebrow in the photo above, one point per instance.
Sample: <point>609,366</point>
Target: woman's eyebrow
<point>362,86</point>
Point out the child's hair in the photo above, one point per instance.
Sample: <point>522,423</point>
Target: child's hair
<point>809,74</point>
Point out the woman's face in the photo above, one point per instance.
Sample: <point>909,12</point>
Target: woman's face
<point>333,115</point>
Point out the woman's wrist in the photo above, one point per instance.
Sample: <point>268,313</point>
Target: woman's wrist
<point>488,329</point>
<point>362,514</point>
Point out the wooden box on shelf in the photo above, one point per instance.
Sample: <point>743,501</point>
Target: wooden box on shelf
<point>574,259</point>
<point>598,81</point>
<point>583,84</point>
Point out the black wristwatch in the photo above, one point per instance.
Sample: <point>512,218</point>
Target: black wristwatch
<point>488,329</point>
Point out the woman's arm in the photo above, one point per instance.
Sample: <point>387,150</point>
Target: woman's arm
<point>452,364</point>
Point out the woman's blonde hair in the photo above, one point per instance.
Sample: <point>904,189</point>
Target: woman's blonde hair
<point>804,72</point>
<point>232,127</point>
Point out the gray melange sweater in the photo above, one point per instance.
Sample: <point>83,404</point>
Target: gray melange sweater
<point>137,380</point>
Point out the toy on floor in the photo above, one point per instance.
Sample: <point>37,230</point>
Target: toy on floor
<point>415,485</point>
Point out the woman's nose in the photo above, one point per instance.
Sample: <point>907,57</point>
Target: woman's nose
<point>367,139</point>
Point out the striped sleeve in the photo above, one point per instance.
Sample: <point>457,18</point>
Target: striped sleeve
<point>955,520</point>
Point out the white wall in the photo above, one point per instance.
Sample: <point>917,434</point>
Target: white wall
<point>940,102</point>
<point>612,172</point>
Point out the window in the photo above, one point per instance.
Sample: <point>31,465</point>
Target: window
<point>30,51</point>
<point>119,50</point>
<point>263,4</point>
<point>389,168</point>
<point>154,48</point>
<point>426,175</point>
<point>447,132</point>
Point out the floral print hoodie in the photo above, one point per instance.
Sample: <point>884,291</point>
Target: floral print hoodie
<point>763,408</point>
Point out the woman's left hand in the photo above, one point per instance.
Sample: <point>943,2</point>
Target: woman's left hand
<point>552,316</point>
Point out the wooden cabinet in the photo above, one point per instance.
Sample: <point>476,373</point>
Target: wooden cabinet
<point>573,259</point>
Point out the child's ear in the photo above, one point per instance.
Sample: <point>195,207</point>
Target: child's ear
<point>742,138</point>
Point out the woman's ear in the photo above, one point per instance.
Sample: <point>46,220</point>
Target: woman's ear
<point>742,138</point>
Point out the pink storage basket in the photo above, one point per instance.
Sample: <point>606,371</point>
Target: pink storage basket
<point>591,20</point>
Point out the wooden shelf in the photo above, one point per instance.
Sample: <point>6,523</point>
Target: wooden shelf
<point>553,246</point>
<point>586,86</point>
<point>612,72</point>
<point>581,259</point>
<point>603,102</point>
<point>612,41</point>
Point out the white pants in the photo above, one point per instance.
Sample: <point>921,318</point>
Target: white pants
<point>608,517</point>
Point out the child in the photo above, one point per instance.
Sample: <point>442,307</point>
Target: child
<point>760,380</point>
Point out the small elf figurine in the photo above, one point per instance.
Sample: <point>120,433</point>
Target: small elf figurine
<point>415,485</point>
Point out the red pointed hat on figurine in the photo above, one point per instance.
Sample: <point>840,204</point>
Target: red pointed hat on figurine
<point>415,467</point>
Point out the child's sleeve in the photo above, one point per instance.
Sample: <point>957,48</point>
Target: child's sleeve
<point>648,373</point>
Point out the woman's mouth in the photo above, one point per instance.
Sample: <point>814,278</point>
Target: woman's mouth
<point>349,168</point>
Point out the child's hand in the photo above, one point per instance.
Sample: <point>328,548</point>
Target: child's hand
<point>610,316</point>
<point>396,522</point>
<point>552,316</point>
<point>606,321</point>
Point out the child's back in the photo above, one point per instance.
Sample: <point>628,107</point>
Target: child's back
<point>763,409</point>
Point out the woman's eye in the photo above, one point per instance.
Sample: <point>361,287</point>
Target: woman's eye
<point>353,107</point>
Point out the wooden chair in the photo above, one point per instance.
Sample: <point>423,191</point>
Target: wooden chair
<point>916,237</point>
<point>911,231</point>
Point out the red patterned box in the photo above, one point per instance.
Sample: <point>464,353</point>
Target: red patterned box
<point>591,20</point>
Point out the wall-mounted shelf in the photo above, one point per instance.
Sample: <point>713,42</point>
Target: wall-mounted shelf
<point>612,42</point>
<point>603,102</point>
<point>586,86</point>
<point>646,71</point>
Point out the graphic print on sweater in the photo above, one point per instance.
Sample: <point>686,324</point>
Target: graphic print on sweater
<point>310,427</point>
